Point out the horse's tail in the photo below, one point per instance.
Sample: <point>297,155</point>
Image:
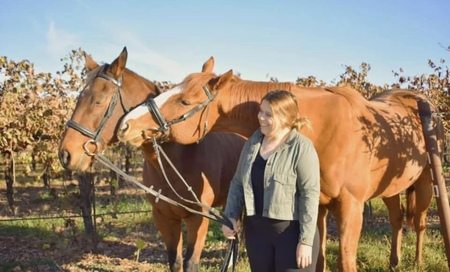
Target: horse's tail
<point>440,134</point>
<point>410,206</point>
<point>438,125</point>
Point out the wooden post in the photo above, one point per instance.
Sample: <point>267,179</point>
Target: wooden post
<point>435,161</point>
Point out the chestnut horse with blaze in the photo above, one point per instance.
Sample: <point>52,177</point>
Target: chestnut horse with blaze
<point>367,149</point>
<point>208,167</point>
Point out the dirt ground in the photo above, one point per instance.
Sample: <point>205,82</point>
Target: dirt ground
<point>76,253</point>
<point>28,248</point>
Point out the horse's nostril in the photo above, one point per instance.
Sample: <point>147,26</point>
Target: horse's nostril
<point>124,128</point>
<point>64,158</point>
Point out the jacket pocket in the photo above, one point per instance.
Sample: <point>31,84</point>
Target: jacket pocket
<point>285,179</point>
<point>284,190</point>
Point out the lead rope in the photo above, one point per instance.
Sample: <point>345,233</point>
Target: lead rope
<point>214,214</point>
<point>233,245</point>
<point>158,150</point>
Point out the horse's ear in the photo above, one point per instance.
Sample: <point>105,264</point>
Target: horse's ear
<point>223,80</point>
<point>90,63</point>
<point>118,65</point>
<point>208,66</point>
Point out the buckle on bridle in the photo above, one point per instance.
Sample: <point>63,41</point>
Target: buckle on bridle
<point>86,148</point>
<point>156,132</point>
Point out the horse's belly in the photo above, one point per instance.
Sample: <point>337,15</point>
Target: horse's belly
<point>394,180</point>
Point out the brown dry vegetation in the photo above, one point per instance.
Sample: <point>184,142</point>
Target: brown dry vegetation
<point>61,245</point>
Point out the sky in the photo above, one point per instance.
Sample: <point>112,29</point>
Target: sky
<point>167,40</point>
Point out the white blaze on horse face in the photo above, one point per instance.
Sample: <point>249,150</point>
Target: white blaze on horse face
<point>159,100</point>
<point>162,98</point>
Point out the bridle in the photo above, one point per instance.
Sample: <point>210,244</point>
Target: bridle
<point>164,126</point>
<point>96,135</point>
<point>232,251</point>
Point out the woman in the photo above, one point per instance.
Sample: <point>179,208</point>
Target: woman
<point>277,185</point>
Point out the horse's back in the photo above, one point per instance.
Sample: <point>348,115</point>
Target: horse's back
<point>401,97</point>
<point>408,100</point>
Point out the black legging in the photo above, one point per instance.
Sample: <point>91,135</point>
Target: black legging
<point>272,245</point>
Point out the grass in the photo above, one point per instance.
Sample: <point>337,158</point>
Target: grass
<point>60,244</point>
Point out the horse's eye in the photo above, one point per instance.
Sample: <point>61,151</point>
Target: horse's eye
<point>98,99</point>
<point>185,102</point>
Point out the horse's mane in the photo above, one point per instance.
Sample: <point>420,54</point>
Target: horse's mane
<point>147,82</point>
<point>244,90</point>
<point>246,95</point>
<point>196,81</point>
<point>243,96</point>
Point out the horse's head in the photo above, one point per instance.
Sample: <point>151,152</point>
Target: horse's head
<point>110,91</point>
<point>182,113</point>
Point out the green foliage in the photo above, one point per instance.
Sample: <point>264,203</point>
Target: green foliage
<point>140,244</point>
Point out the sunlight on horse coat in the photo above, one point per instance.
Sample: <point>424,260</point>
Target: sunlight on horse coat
<point>367,149</point>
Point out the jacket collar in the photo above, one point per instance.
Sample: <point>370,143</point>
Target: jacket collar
<point>258,136</point>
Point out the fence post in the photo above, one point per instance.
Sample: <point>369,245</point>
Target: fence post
<point>86,183</point>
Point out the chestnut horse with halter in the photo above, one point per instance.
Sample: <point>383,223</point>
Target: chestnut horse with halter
<point>367,149</point>
<point>111,90</point>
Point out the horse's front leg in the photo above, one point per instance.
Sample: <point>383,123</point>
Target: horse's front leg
<point>197,229</point>
<point>169,226</point>
<point>349,217</point>
<point>322,227</point>
<point>395,211</point>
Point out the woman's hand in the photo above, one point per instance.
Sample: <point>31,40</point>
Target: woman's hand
<point>229,233</point>
<point>304,255</point>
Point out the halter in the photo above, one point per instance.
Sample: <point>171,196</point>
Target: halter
<point>164,126</point>
<point>95,135</point>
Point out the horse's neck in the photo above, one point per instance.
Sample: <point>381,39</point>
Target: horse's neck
<point>169,148</point>
<point>242,127</point>
<point>240,106</point>
<point>139,89</point>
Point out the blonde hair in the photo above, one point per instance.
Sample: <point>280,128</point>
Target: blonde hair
<point>285,106</point>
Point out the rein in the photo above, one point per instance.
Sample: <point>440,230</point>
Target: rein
<point>213,214</point>
<point>164,126</point>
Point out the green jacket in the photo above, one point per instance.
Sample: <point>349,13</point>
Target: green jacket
<point>291,182</point>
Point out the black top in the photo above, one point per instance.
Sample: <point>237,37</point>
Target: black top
<point>257,177</point>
